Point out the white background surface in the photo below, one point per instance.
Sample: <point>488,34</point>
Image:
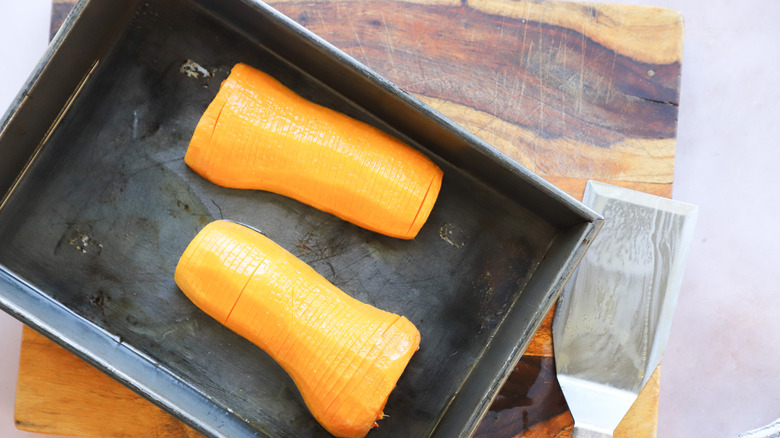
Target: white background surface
<point>721,371</point>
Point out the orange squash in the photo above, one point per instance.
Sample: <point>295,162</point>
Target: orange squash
<point>259,134</point>
<point>344,356</point>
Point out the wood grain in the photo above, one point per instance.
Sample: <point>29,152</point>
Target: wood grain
<point>573,91</point>
<point>531,405</point>
<point>58,393</point>
<point>546,95</point>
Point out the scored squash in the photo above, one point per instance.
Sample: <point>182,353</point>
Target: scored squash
<point>259,134</point>
<point>344,356</point>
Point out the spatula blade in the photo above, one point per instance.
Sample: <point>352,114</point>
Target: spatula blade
<point>612,323</point>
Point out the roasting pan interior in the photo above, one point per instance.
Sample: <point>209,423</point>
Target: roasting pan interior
<point>98,205</point>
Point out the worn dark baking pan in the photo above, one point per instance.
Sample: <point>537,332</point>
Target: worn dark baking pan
<point>97,206</point>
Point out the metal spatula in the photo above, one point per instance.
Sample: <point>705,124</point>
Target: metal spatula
<point>613,319</point>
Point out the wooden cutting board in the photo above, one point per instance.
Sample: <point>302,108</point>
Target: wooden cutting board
<point>572,91</point>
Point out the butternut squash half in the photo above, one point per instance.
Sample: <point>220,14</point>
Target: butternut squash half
<point>344,356</point>
<point>259,134</point>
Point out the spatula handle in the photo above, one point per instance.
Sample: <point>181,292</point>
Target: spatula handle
<point>586,432</point>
